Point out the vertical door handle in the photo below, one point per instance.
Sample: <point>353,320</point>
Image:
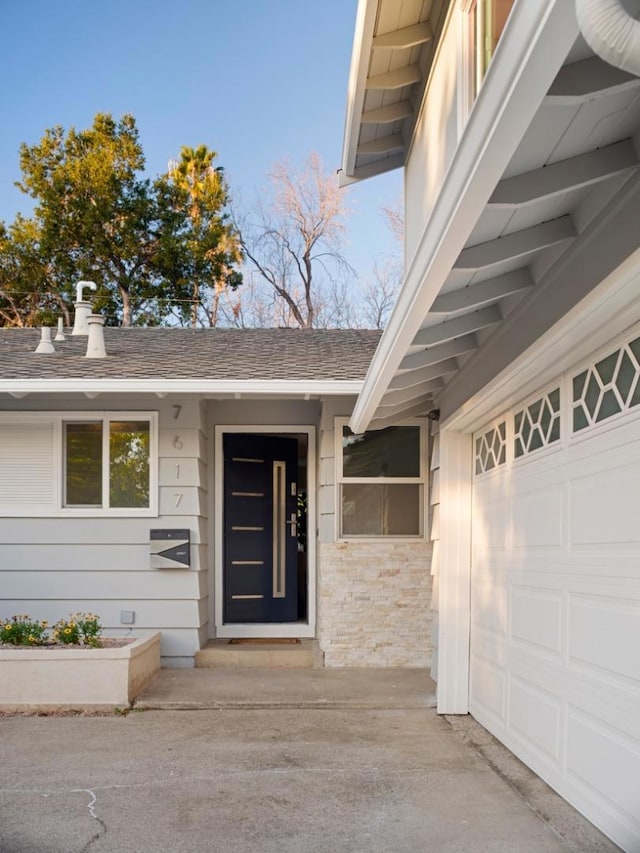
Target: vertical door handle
<point>293,521</point>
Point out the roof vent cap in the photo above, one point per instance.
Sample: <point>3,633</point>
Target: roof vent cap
<point>95,344</point>
<point>45,345</point>
<point>60,333</point>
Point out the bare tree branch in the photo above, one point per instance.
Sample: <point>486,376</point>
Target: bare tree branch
<point>304,212</point>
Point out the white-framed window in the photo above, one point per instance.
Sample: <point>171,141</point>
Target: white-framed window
<point>484,24</point>
<point>107,462</point>
<point>381,481</point>
<point>78,463</point>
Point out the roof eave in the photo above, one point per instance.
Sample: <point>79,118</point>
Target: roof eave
<point>362,41</point>
<point>522,71</point>
<point>202,387</point>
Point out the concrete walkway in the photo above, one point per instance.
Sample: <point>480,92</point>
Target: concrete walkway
<point>199,689</point>
<point>274,761</point>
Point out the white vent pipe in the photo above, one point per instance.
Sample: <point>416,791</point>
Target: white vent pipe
<point>83,309</point>
<point>81,318</point>
<point>45,345</point>
<point>95,344</point>
<point>60,333</point>
<point>80,286</point>
<point>611,32</point>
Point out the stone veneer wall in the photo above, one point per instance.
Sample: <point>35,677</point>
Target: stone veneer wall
<point>375,603</point>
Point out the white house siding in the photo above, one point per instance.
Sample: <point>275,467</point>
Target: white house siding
<point>435,135</point>
<point>373,595</point>
<point>264,412</point>
<point>53,566</point>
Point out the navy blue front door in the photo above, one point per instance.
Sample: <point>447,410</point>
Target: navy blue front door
<point>260,531</point>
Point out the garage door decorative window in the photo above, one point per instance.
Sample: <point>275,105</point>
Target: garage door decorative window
<point>608,387</point>
<point>491,448</point>
<point>537,425</point>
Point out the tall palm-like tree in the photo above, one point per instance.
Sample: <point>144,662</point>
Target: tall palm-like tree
<point>215,241</point>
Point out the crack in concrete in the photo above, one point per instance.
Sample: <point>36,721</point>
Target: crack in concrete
<point>91,806</point>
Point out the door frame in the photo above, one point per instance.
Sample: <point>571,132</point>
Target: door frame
<point>260,629</point>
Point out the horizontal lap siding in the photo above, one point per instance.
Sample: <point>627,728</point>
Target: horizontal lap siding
<point>99,557</point>
<point>53,566</point>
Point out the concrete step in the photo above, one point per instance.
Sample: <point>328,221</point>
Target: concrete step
<point>222,653</point>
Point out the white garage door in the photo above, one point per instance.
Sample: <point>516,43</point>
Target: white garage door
<point>555,612</point>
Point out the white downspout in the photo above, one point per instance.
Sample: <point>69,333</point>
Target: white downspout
<point>611,32</point>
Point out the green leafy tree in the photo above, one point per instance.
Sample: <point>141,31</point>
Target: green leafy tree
<point>210,246</point>
<point>152,247</point>
<point>94,212</point>
<point>30,290</point>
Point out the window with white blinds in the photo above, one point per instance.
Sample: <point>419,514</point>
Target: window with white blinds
<point>43,473</point>
<point>28,478</point>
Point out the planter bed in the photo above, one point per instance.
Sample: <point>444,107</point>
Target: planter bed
<point>78,678</point>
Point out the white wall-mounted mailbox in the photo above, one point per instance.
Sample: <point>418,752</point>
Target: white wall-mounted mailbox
<point>170,549</point>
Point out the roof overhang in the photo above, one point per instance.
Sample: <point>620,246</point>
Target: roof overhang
<point>511,204</point>
<point>394,46</point>
<point>162,387</point>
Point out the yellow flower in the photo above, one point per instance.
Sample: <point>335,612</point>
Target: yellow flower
<point>67,630</point>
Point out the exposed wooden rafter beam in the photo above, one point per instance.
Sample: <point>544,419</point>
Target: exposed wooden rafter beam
<point>482,293</point>
<point>435,355</point>
<point>582,81</point>
<point>450,329</point>
<point>407,395</point>
<point>384,164</point>
<point>405,37</point>
<point>387,417</point>
<point>424,374</point>
<point>385,115</point>
<point>516,246</point>
<point>406,76</point>
<point>382,145</point>
<point>565,175</point>
<point>419,405</point>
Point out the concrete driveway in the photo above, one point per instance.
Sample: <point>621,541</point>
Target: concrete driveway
<point>390,776</point>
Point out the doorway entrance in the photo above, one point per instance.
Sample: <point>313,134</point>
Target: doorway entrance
<point>265,513</point>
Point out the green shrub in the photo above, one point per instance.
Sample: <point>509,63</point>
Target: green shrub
<point>79,629</point>
<point>22,630</point>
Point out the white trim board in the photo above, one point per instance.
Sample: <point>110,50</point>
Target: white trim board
<point>273,629</point>
<point>203,387</point>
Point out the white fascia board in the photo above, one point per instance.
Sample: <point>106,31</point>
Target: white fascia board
<point>532,49</point>
<point>362,40</point>
<point>201,387</point>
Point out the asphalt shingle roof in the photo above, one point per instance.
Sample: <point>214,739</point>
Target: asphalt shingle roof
<point>176,353</point>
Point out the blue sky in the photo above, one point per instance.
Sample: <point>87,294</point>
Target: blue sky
<point>256,80</point>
